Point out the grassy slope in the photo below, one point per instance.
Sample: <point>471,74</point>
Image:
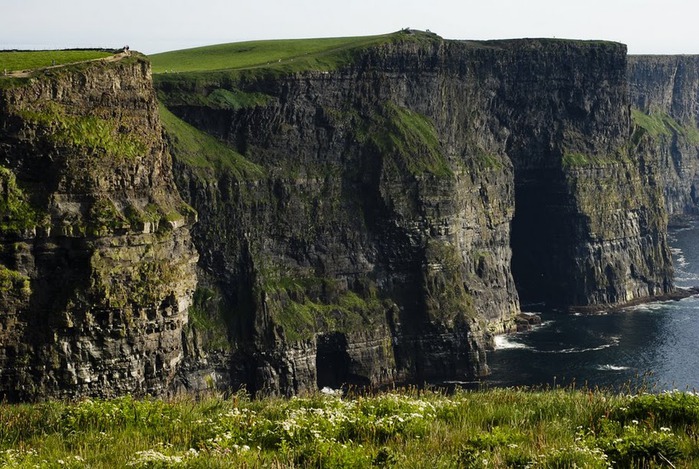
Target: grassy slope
<point>203,152</point>
<point>286,55</point>
<point>26,60</point>
<point>660,124</point>
<point>257,53</point>
<point>497,428</point>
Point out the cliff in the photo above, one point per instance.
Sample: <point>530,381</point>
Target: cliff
<point>355,218</point>
<point>96,261</point>
<point>368,213</point>
<point>664,91</point>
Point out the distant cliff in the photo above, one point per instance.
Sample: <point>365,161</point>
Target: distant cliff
<point>664,91</point>
<point>355,222</point>
<point>96,261</point>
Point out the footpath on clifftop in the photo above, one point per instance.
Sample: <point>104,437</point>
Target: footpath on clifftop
<point>27,72</point>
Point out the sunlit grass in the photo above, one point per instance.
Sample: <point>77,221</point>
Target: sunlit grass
<point>411,428</point>
<point>27,60</point>
<point>256,53</point>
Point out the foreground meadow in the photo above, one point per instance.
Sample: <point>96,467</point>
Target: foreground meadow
<point>495,428</point>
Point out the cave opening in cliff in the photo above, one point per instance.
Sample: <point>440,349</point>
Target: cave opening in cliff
<point>541,239</point>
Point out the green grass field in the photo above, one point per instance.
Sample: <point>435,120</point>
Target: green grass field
<point>294,54</point>
<point>27,60</point>
<point>500,428</point>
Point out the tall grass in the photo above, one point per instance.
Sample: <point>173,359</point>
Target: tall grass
<point>411,428</point>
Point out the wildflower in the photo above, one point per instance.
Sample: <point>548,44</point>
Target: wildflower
<point>665,429</point>
<point>634,421</point>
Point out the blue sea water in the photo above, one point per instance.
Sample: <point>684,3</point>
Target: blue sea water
<point>654,346</point>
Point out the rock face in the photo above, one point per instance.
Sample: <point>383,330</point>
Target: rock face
<point>589,227</point>
<point>372,222</point>
<point>664,91</point>
<point>96,261</point>
<point>364,236</point>
<point>355,223</point>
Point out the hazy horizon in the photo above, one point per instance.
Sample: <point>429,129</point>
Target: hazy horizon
<point>646,27</point>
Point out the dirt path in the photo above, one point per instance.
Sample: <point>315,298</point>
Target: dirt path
<point>27,73</point>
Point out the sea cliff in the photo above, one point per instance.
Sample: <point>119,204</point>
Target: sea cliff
<point>664,92</point>
<point>96,261</point>
<point>358,229</point>
<point>367,215</point>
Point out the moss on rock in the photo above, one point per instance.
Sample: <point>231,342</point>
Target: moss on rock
<point>16,212</point>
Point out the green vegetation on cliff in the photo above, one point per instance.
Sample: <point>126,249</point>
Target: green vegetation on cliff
<point>305,305</point>
<point>16,214</point>
<point>660,124</point>
<point>410,429</point>
<point>408,138</point>
<point>206,318</point>
<point>97,135</point>
<point>13,282</point>
<point>203,152</point>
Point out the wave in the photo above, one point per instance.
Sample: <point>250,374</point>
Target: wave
<point>503,342</point>
<point>681,275</point>
<point>578,350</point>
<point>614,341</point>
<point>612,368</point>
<point>651,307</point>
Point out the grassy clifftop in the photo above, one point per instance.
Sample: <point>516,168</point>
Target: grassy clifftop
<point>288,55</point>
<point>25,60</point>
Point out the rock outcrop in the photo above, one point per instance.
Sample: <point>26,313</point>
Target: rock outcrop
<point>96,261</point>
<point>664,91</point>
<point>355,223</point>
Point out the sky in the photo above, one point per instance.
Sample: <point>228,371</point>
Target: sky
<point>151,26</point>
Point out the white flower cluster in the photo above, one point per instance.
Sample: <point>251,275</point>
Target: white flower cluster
<point>150,456</point>
<point>12,458</point>
<point>573,457</point>
<point>324,418</point>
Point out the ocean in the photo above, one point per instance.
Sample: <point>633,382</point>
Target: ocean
<point>653,347</point>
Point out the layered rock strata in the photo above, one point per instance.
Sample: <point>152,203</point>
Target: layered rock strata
<point>96,261</point>
<point>664,91</point>
<point>355,223</point>
<point>367,223</point>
